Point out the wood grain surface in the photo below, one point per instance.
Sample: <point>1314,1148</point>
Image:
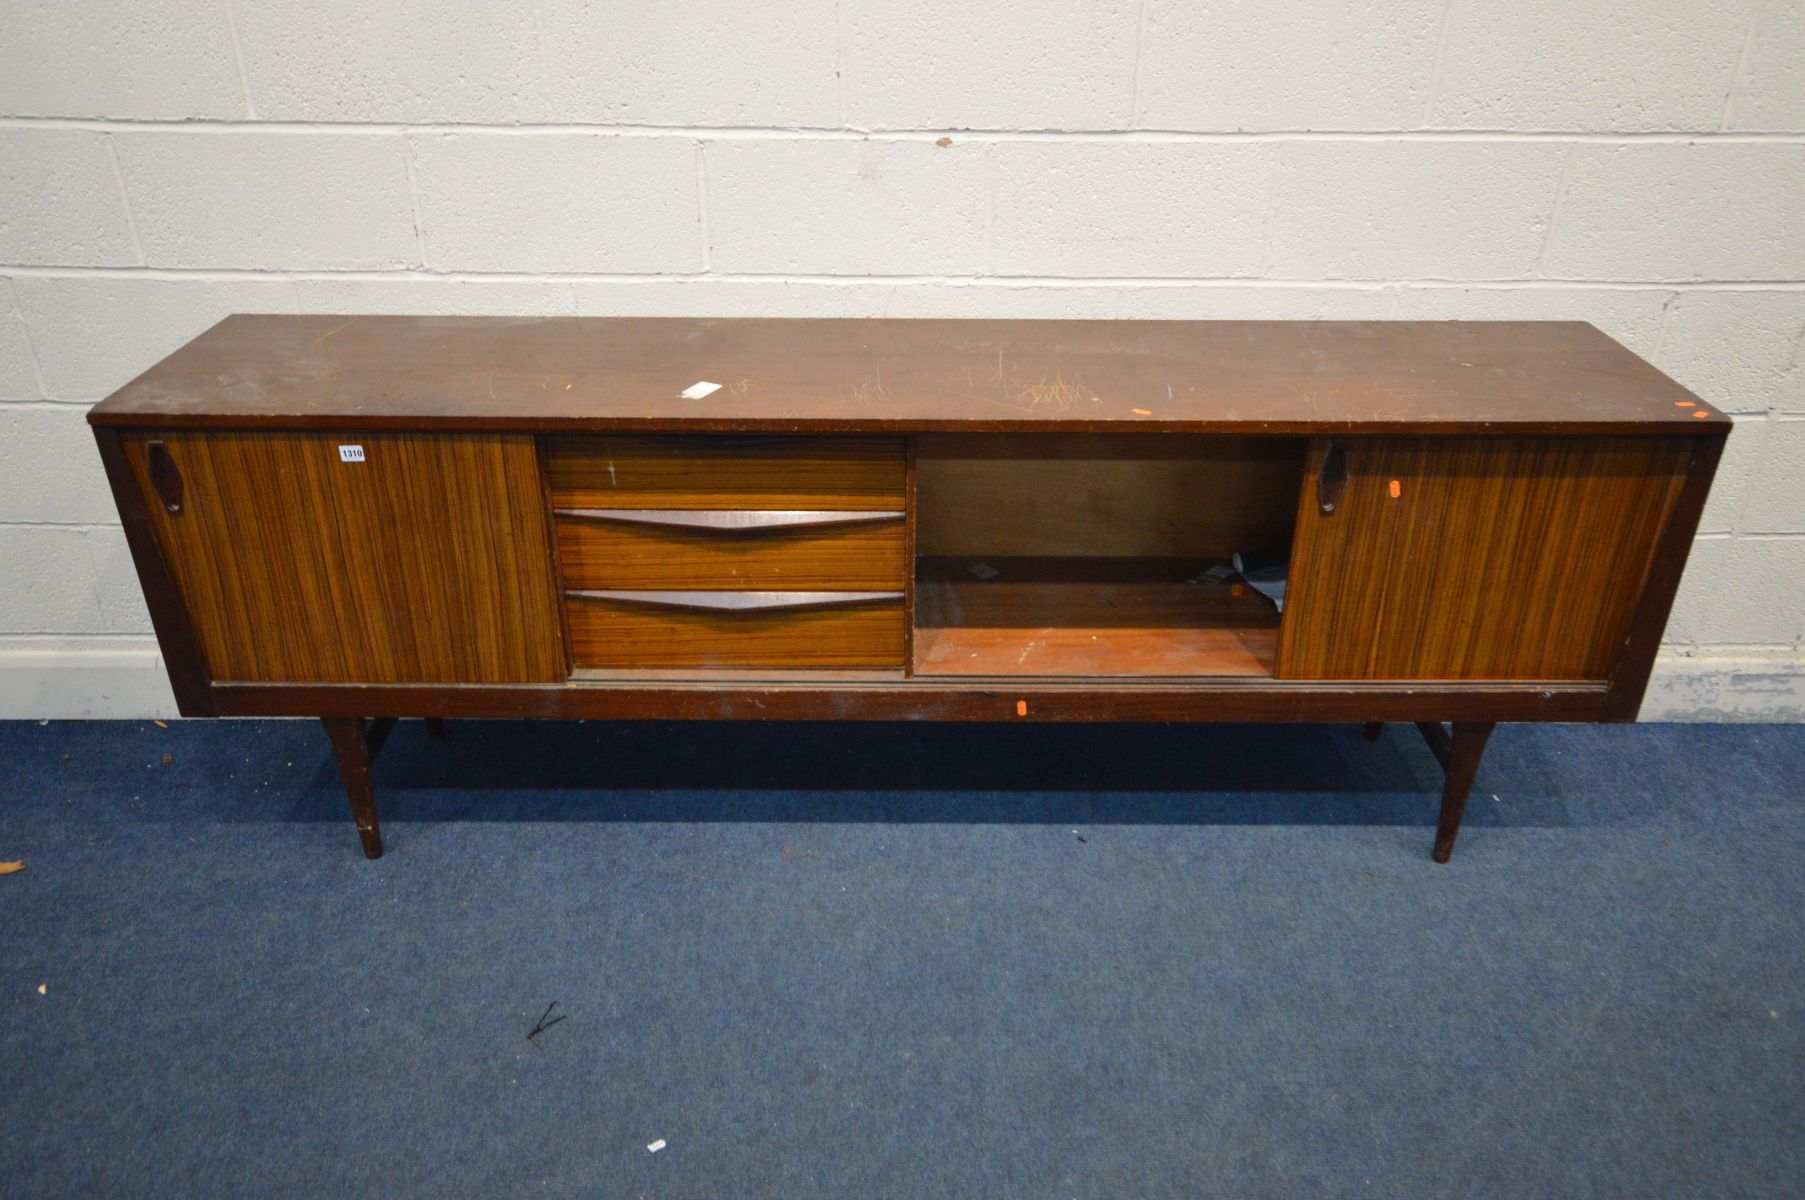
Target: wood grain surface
<point>1399,377</point>
<point>726,472</point>
<point>612,633</point>
<point>1077,618</point>
<point>749,696</point>
<point>728,520</point>
<point>427,562</point>
<point>1167,495</point>
<point>728,601</point>
<point>176,642</point>
<point>1481,559</point>
<point>610,554</point>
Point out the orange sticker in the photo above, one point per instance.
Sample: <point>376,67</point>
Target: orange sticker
<point>1236,590</point>
<point>1701,413</point>
<point>1021,708</point>
<point>1683,404</point>
<point>1397,489</point>
<point>1145,412</point>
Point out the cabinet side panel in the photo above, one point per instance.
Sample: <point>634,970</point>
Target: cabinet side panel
<point>1477,558</point>
<point>426,562</point>
<point>175,633</point>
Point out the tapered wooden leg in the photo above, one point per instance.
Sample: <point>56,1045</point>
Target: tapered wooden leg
<point>352,746</point>
<point>435,727</point>
<point>1459,756</point>
<point>1373,730</point>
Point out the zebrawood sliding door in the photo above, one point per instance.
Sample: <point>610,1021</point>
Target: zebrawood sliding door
<point>1473,558</point>
<point>366,558</point>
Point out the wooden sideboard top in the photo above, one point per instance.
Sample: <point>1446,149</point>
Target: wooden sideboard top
<point>805,375</point>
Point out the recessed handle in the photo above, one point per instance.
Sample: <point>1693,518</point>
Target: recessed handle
<point>703,520</point>
<point>1331,478</point>
<point>740,602</point>
<point>165,476</point>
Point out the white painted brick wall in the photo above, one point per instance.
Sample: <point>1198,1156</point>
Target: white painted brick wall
<point>400,60</point>
<point>272,201</point>
<point>44,453</point>
<point>1413,210</point>
<point>91,333</point>
<point>19,382</point>
<point>692,64</point>
<point>1008,64</point>
<point>60,200</point>
<point>118,58</point>
<point>166,162</point>
<point>1588,65</point>
<point>1131,209</point>
<point>1288,64</point>
<point>474,216</point>
<point>1772,94</point>
<point>846,207</point>
<point>1681,211</point>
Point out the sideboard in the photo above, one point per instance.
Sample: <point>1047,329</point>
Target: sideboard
<point>362,519</point>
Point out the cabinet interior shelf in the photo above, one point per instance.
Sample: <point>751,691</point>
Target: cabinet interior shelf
<point>1102,617</point>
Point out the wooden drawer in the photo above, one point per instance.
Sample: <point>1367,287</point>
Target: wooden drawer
<point>820,473</point>
<point>736,629</point>
<point>678,548</point>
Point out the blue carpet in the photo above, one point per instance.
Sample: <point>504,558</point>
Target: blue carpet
<point>914,961</point>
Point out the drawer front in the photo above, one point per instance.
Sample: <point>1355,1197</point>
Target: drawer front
<point>818,473</point>
<point>606,632</point>
<point>832,554</point>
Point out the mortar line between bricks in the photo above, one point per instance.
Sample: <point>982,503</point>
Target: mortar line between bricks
<point>1739,72</point>
<point>1431,92</point>
<point>1660,348</point>
<point>539,51</point>
<point>992,169</point>
<point>45,405</point>
<point>244,75</point>
<point>226,127</point>
<point>125,201</point>
<point>413,194</point>
<point>840,61</point>
<point>1554,208</point>
<point>1140,58</point>
<point>31,345</point>
<point>702,205</point>
<point>48,639</point>
<point>971,280</point>
<point>78,526</point>
<point>1274,168</point>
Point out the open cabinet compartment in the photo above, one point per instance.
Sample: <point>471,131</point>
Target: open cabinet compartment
<point>1055,555</point>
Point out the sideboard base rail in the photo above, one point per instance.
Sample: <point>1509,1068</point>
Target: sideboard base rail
<point>918,700</point>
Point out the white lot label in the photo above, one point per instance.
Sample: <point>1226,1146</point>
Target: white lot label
<point>350,453</point>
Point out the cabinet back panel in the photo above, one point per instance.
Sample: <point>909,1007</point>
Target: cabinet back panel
<point>1115,496</point>
<point>1476,558</point>
<point>428,562</point>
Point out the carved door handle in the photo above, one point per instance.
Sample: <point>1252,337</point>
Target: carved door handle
<point>165,476</point>
<point>1331,478</point>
